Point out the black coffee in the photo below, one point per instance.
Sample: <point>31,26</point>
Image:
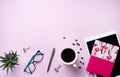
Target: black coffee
<point>68,55</point>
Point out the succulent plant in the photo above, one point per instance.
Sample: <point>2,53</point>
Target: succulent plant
<point>9,60</point>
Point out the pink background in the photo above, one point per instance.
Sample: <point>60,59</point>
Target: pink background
<point>42,24</point>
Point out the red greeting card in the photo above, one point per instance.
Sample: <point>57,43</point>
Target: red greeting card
<point>102,58</point>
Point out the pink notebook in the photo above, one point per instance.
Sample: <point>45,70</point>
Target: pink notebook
<point>102,58</point>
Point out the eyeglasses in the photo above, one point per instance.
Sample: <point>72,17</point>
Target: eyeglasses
<point>31,66</point>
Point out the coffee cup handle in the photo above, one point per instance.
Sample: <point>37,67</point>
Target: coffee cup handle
<point>75,65</point>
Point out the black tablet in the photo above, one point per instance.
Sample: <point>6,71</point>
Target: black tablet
<point>111,38</point>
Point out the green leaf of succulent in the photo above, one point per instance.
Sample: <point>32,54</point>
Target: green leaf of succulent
<point>9,60</point>
<point>11,68</point>
<point>5,54</point>
<point>1,61</point>
<point>7,69</point>
<point>2,65</point>
<point>17,64</point>
<point>2,57</point>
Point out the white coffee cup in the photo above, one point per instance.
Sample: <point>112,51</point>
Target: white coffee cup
<point>68,57</point>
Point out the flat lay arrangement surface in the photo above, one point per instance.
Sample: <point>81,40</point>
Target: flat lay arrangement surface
<point>40,30</point>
